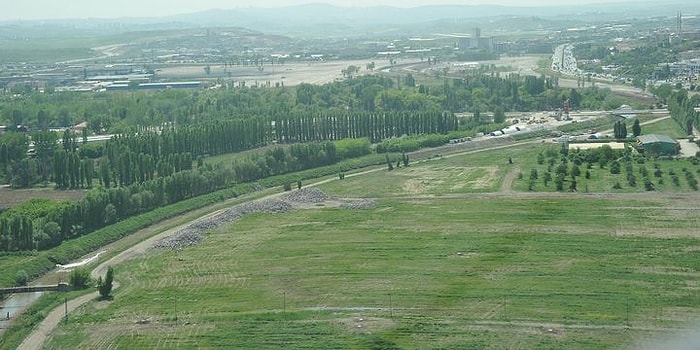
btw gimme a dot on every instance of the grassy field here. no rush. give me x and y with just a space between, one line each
10 197
668 127
664 174
447 259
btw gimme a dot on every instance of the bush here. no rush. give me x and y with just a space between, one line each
615 167
79 278
648 185
352 148
21 278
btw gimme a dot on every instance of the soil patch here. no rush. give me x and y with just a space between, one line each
10 197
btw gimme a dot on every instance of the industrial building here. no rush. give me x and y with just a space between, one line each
659 145
157 86
471 42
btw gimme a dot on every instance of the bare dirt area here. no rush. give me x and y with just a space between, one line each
507 184
10 197
688 149
288 74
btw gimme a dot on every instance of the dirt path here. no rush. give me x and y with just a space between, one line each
46 327
507 184
140 242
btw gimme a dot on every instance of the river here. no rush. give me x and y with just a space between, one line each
14 305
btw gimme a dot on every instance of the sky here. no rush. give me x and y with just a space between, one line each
54 9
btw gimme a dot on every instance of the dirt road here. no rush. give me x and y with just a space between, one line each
52 320
139 243
131 246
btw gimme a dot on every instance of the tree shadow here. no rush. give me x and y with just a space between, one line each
105 298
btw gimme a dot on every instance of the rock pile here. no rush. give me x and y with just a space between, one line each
192 234
307 195
183 238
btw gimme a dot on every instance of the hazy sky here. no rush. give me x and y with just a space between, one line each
44 9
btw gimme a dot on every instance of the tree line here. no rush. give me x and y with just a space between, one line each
682 109
128 112
25 228
42 225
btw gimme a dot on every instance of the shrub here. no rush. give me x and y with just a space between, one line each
648 185
547 178
21 278
615 167
79 278
559 182
575 170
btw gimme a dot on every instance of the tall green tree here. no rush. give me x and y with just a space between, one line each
636 128
105 286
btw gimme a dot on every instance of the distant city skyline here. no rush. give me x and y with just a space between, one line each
76 9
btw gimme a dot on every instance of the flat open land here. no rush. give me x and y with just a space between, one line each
11 197
288 74
448 256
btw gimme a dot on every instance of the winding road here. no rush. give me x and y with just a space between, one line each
140 242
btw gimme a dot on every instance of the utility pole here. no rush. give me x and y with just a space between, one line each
391 307
627 317
65 300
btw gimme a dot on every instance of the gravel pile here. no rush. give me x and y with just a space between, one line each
307 195
359 204
269 206
192 234
185 237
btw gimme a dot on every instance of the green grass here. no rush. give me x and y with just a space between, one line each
668 127
445 268
38 263
601 180
16 333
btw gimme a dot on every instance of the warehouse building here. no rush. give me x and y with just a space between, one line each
659 145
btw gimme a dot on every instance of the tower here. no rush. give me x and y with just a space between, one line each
476 39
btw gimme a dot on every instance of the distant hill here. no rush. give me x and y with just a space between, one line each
328 20
285 18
